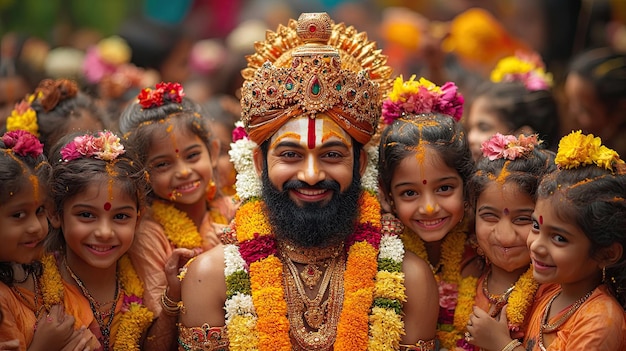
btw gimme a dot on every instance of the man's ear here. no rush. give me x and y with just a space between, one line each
363 160
258 161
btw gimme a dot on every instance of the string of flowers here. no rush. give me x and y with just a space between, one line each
508 146
103 146
422 97
448 278
256 309
576 150
164 92
24 117
527 69
135 319
178 227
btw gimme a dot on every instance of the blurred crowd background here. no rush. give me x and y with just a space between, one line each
116 47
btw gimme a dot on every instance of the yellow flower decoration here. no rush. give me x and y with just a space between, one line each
178 227
403 89
23 117
577 149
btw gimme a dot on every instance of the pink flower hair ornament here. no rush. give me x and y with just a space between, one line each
508 146
164 92
104 146
23 143
422 97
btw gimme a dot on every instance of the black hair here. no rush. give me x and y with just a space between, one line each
15 171
605 70
516 107
593 199
525 171
70 178
439 131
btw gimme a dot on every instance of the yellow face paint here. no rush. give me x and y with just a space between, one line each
311 132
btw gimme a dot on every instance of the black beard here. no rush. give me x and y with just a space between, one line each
314 224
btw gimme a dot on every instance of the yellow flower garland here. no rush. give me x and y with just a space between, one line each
452 250
179 228
133 322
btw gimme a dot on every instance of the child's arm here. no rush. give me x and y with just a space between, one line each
162 334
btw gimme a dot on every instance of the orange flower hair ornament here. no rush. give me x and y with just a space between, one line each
577 149
508 146
164 92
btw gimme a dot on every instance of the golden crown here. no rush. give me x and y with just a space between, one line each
313 66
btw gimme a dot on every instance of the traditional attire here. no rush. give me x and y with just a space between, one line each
18 319
599 324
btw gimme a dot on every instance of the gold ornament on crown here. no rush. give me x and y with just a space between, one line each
311 66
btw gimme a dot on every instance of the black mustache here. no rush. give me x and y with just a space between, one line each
322 185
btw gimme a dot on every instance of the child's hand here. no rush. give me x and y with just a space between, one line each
11 345
172 268
54 330
82 340
487 332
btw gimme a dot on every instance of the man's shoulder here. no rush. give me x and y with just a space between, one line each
207 264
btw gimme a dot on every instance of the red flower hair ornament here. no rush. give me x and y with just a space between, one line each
164 92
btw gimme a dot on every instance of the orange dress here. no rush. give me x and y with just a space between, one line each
599 324
152 248
18 319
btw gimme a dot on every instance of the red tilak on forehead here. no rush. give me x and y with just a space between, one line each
540 219
311 134
506 211
107 206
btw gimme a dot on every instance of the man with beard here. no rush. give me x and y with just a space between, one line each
312 267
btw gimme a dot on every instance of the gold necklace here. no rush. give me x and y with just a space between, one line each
546 327
497 301
311 257
313 322
105 329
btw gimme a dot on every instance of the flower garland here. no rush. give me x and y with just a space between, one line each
256 309
422 96
24 117
178 227
104 146
577 149
508 146
449 278
135 319
527 69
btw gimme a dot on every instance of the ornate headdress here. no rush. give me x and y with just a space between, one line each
314 66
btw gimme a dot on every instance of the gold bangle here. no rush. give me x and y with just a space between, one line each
512 345
421 345
170 307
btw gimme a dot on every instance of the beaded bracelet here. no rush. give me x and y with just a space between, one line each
170 307
512 345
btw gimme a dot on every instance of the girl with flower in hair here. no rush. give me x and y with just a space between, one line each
502 193
54 109
517 100
97 191
186 213
424 164
27 323
576 245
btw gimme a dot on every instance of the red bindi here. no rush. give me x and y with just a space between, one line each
424 182
107 206
506 211
540 219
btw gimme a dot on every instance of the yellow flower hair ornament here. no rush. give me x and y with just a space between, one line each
24 117
527 69
579 150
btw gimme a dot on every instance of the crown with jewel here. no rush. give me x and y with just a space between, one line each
314 66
